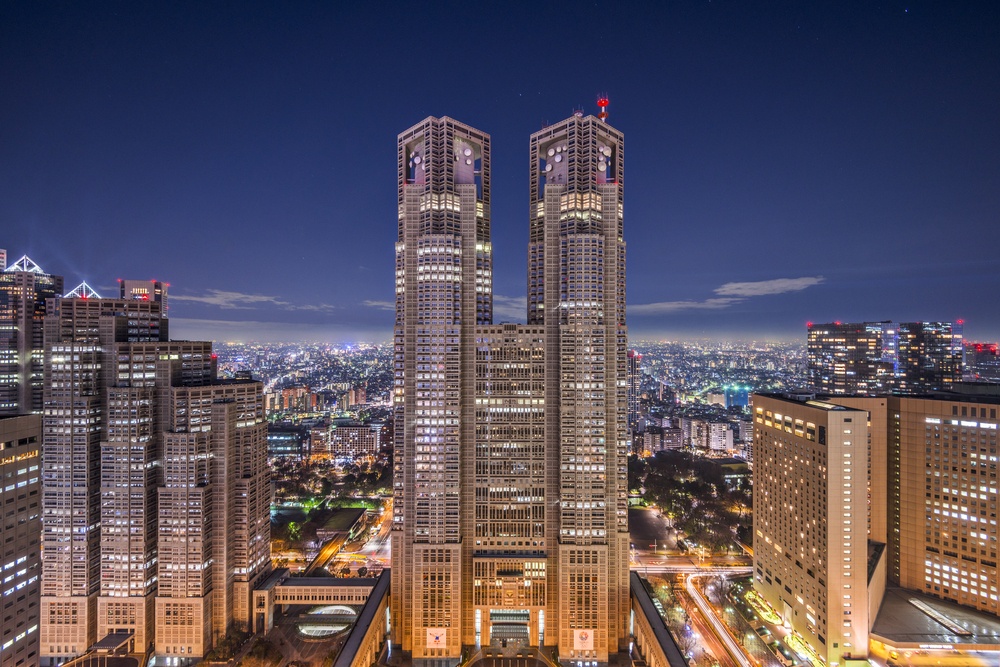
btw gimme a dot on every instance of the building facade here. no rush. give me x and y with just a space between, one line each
810 527
131 420
500 417
911 482
880 357
24 290
443 290
20 537
982 362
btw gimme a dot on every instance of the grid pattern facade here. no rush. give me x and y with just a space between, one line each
23 296
810 520
511 548
576 291
143 445
20 530
491 420
946 542
880 357
443 289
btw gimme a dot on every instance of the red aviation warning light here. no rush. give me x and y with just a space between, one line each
602 102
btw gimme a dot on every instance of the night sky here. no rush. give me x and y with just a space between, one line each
784 162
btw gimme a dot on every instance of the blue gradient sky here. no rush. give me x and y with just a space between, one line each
785 161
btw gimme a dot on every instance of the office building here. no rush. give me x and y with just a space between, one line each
121 401
901 492
144 290
443 289
20 538
214 515
810 533
24 290
982 362
881 357
351 440
501 418
633 378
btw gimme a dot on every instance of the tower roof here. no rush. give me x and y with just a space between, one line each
24 264
83 291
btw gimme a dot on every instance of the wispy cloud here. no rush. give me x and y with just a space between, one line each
509 308
766 287
254 330
729 294
505 308
675 306
241 301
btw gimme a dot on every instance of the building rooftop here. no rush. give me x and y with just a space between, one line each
901 622
368 616
329 581
667 644
273 579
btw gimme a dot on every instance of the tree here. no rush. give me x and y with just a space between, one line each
362 571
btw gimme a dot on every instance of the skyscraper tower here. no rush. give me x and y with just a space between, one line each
142 444
24 289
510 519
576 291
443 289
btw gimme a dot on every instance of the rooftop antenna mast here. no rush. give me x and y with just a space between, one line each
602 102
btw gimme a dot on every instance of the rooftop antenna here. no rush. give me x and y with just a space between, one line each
578 112
602 102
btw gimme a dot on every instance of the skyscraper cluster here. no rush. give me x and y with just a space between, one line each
154 490
879 357
510 488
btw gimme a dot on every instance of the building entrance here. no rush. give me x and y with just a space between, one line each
509 628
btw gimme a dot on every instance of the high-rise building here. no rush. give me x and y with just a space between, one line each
526 424
443 290
576 291
633 376
810 533
20 535
982 362
214 514
24 290
121 403
856 498
879 357
144 290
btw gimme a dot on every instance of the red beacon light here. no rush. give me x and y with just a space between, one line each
602 102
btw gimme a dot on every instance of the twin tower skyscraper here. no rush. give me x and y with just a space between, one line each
510 523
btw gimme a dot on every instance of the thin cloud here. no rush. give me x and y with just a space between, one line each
676 306
509 308
381 305
228 300
767 287
505 308
730 294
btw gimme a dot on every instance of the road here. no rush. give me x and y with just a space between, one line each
719 629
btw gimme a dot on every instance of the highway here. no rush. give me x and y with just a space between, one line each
734 650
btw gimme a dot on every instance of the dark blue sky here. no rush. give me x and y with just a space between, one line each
785 161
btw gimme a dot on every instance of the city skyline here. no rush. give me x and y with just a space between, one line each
137 135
